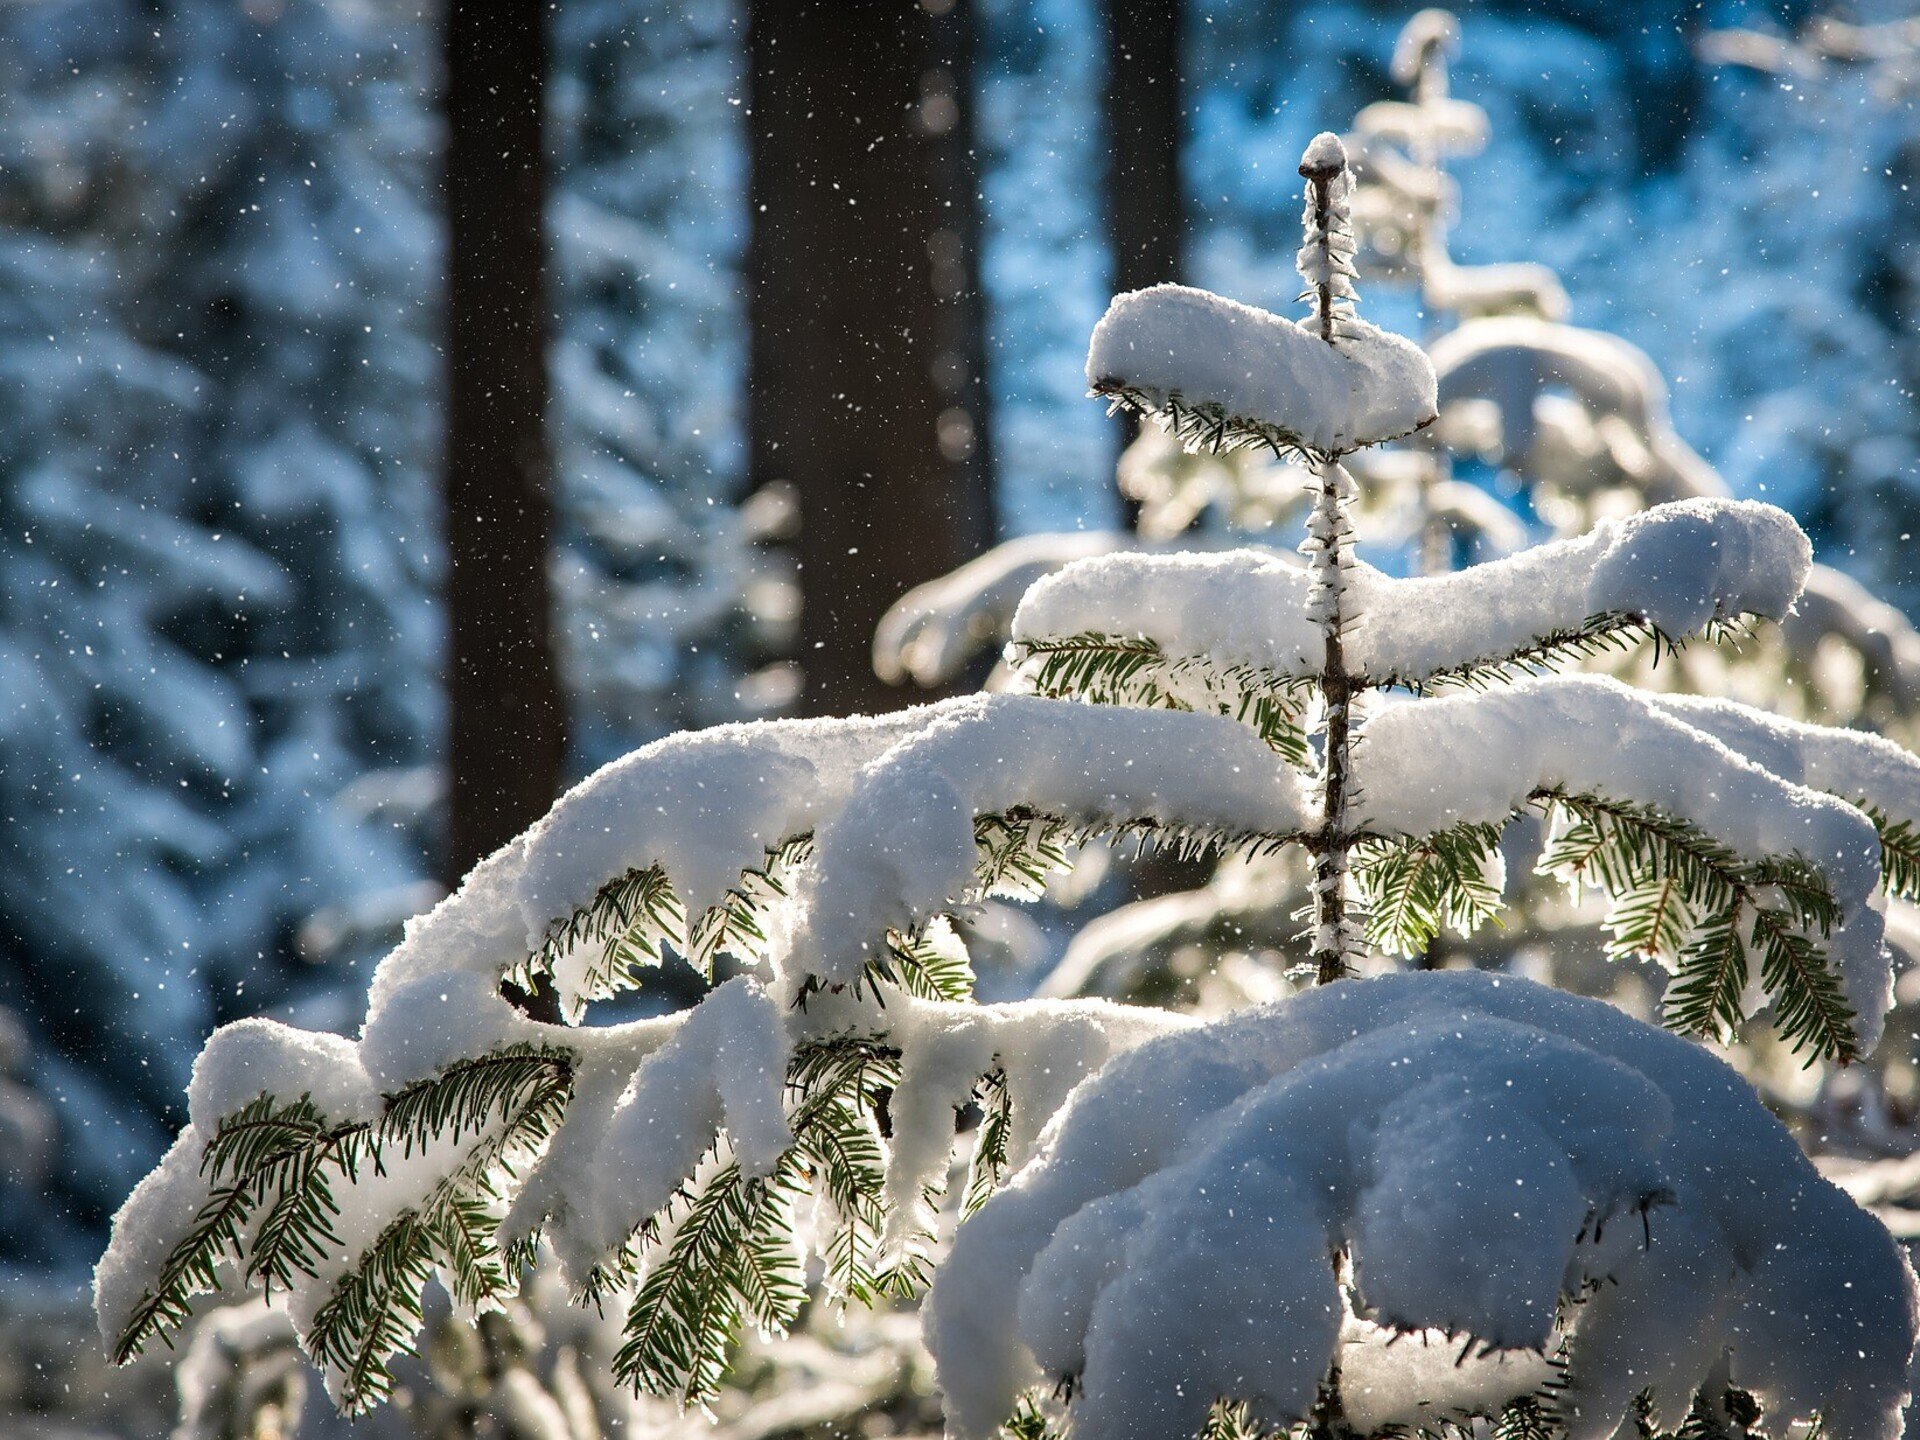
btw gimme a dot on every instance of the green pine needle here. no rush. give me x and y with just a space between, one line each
1118 670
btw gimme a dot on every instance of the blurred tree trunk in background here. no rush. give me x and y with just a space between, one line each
1143 124
1142 121
508 744
865 385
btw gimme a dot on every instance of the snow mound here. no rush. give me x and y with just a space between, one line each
1175 345
1479 1147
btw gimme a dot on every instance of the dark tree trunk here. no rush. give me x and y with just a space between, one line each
865 383
1143 121
508 744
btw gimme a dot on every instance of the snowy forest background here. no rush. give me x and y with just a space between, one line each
222 754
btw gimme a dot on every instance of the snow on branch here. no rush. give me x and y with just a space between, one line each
930 633
1665 574
1710 859
651 850
1517 361
1869 771
908 843
1223 375
1633 1217
668 1156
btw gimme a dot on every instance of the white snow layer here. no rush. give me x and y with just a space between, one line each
1423 767
929 634
1177 344
1676 566
704 806
1479 1146
902 848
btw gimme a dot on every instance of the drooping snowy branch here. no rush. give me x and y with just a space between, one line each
930 633
1674 570
346 1174
1649 787
1171 1244
905 845
1515 361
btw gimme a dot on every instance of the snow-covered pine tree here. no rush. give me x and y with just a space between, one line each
1230 1227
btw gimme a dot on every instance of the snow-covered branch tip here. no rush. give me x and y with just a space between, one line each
1325 260
1223 376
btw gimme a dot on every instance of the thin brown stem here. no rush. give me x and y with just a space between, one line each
1321 181
1331 842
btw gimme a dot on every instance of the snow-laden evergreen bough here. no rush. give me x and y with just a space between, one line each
1233 1225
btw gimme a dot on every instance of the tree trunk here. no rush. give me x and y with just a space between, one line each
1144 125
865 385
507 748
1143 122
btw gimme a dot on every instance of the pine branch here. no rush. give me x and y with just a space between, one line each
465 1234
1667 878
296 1233
685 1316
631 918
771 1279
1613 632
1020 849
249 1151
1018 852
1115 670
1523 1419
732 1249
281 1163
527 1082
1205 427
924 966
1652 919
634 917
1410 891
1899 853
1810 1009
1625 843
1030 1422
375 1312
1232 1420
734 925
989 1163
1710 982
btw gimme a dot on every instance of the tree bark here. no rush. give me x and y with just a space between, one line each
507 748
1143 120
1145 124
865 386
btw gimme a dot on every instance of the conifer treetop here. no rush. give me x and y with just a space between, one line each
1222 375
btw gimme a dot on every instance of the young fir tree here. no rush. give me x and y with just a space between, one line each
1565 1217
